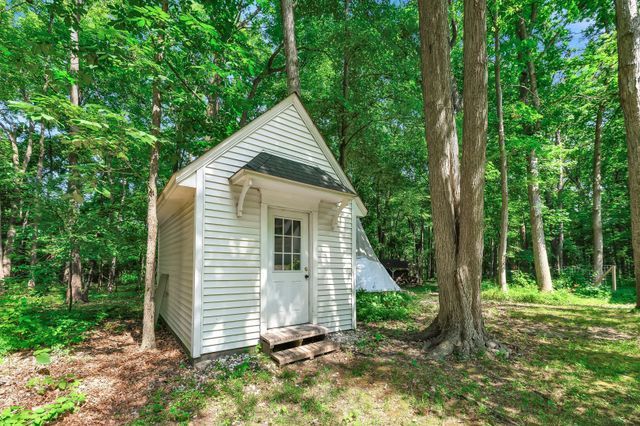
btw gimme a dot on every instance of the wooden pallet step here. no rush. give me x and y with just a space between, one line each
278 336
308 351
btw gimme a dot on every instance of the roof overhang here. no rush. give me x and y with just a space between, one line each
174 196
297 193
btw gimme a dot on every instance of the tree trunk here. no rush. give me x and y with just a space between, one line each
290 49
1 250
504 209
596 215
112 269
458 222
74 291
560 190
148 321
343 128
628 27
540 260
34 238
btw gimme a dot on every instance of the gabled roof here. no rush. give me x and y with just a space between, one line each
183 176
273 165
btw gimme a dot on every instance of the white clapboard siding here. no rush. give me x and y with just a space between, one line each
175 257
334 287
231 246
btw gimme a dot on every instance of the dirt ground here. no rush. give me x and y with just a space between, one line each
115 375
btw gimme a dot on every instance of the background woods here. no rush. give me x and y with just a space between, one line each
89 91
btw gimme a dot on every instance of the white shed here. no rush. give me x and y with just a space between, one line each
258 234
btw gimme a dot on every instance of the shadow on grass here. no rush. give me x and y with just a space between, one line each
587 372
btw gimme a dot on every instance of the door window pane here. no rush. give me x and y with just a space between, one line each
286 262
287 241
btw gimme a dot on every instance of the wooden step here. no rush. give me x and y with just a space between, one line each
308 351
278 336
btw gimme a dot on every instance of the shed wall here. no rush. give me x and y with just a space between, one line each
231 254
175 257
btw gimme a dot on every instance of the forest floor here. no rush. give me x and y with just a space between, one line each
566 364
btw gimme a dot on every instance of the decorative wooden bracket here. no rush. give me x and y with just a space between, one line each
339 207
243 194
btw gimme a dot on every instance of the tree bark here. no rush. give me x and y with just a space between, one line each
34 238
343 128
148 321
540 259
628 30
74 290
560 190
596 214
290 49
458 222
504 190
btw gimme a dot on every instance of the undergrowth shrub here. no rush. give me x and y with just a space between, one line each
383 306
40 319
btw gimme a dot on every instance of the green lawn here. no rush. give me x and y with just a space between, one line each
568 364
574 358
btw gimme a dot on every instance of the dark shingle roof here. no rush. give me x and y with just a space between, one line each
273 165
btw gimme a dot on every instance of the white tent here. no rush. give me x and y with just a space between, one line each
370 274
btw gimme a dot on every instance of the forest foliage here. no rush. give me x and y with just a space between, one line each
360 77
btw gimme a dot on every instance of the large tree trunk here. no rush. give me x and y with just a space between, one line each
540 259
74 290
290 49
596 214
148 320
504 209
628 26
457 221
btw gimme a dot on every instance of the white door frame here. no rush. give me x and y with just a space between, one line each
271 200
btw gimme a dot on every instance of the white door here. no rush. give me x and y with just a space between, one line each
287 291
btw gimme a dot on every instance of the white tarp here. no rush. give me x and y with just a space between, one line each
370 274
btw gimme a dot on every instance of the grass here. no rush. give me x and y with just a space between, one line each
572 359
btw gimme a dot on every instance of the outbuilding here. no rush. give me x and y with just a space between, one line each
257 235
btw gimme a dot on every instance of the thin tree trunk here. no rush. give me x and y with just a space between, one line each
34 238
290 49
458 221
628 26
1 250
596 215
114 261
560 191
148 321
540 259
504 209
75 293
344 120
